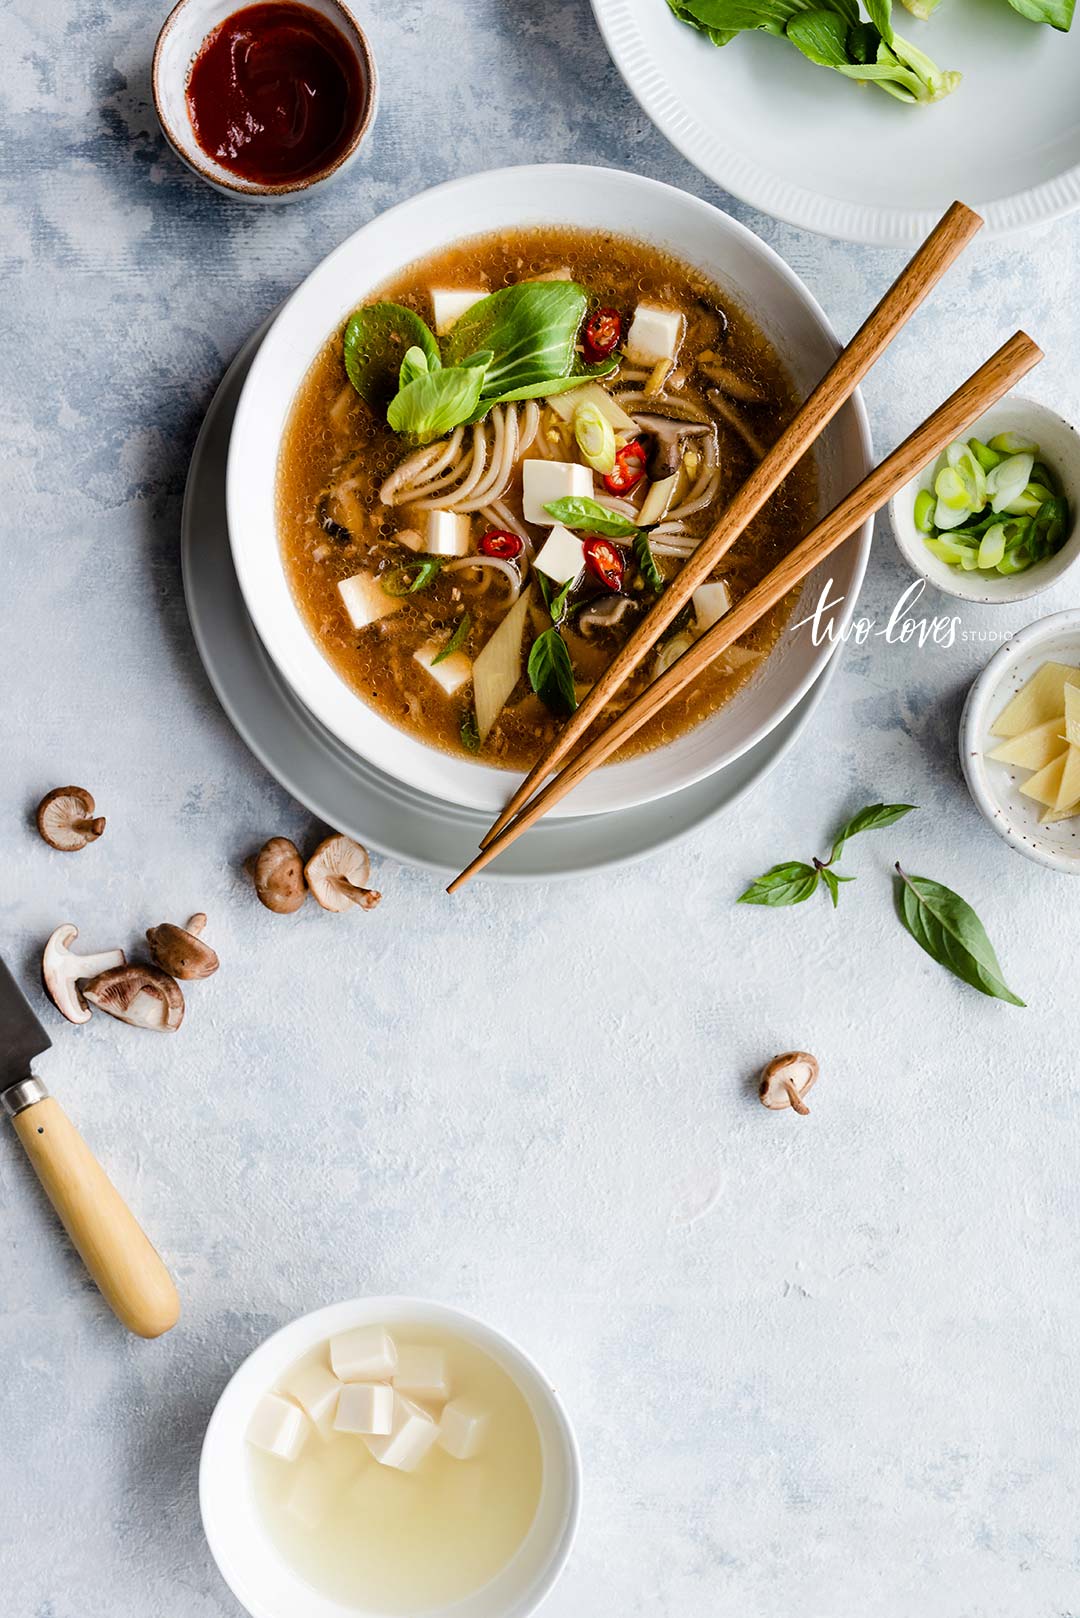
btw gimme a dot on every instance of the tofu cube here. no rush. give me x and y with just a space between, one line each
421 1372
447 534
278 1426
448 304
365 1407
561 556
463 1428
544 481
452 673
365 599
315 1389
414 1432
711 601
655 334
366 1354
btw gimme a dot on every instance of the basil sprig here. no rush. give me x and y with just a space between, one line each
950 932
551 673
456 641
793 882
412 578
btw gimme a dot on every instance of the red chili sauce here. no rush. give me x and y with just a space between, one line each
275 93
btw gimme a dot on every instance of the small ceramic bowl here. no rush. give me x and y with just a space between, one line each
266 1585
1059 447
996 787
178 44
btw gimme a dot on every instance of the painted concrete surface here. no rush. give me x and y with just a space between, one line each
822 1365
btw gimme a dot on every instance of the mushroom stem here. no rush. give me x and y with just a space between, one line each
797 1102
90 828
197 923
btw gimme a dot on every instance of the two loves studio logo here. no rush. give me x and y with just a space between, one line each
902 626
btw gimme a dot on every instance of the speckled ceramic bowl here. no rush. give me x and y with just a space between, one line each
1060 449
996 787
183 32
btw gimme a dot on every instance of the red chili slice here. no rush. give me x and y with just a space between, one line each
601 334
499 542
604 561
629 469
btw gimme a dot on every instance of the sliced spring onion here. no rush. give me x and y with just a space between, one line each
1050 525
924 511
1013 444
413 577
992 547
595 438
987 458
952 490
945 518
1041 473
946 551
1007 480
1030 500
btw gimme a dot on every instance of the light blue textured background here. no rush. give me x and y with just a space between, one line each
819 1367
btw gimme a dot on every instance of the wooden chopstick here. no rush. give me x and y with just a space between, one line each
993 379
944 244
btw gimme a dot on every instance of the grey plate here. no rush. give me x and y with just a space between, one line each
345 791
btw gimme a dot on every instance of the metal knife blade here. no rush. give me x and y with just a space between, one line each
21 1035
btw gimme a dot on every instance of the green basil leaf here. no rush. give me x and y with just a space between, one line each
789 884
470 733
530 328
413 577
551 674
413 365
578 511
869 819
950 932
456 641
555 600
376 340
832 882
646 561
435 403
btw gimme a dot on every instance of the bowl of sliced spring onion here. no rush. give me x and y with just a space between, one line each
994 518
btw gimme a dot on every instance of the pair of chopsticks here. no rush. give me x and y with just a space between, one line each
993 379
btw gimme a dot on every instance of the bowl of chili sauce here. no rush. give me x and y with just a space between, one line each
265 100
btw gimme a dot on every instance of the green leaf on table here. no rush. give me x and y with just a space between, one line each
871 818
374 347
789 884
950 932
1058 13
832 881
579 511
551 673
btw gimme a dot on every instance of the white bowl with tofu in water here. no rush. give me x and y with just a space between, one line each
996 784
576 197
258 1571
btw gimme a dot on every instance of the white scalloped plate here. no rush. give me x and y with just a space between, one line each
798 142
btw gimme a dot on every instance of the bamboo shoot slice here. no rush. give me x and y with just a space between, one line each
1040 699
1049 816
1072 715
1069 790
497 669
1045 785
1032 749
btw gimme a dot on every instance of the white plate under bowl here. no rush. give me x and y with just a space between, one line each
1059 447
604 199
349 794
802 143
996 787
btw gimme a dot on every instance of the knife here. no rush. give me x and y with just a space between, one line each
103 1230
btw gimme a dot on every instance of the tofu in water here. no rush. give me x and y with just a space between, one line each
447 534
463 1429
315 1388
365 1354
278 1426
365 1407
655 334
448 304
452 673
421 1373
561 556
365 600
414 1433
544 481
711 601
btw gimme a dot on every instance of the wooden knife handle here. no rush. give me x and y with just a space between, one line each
108 1238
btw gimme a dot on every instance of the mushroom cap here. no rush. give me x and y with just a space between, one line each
61 970
144 996
791 1071
66 819
180 951
278 873
337 874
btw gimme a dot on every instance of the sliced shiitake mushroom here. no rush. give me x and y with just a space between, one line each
144 996
786 1080
180 951
66 819
337 874
278 873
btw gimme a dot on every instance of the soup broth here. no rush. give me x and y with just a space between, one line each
358 501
